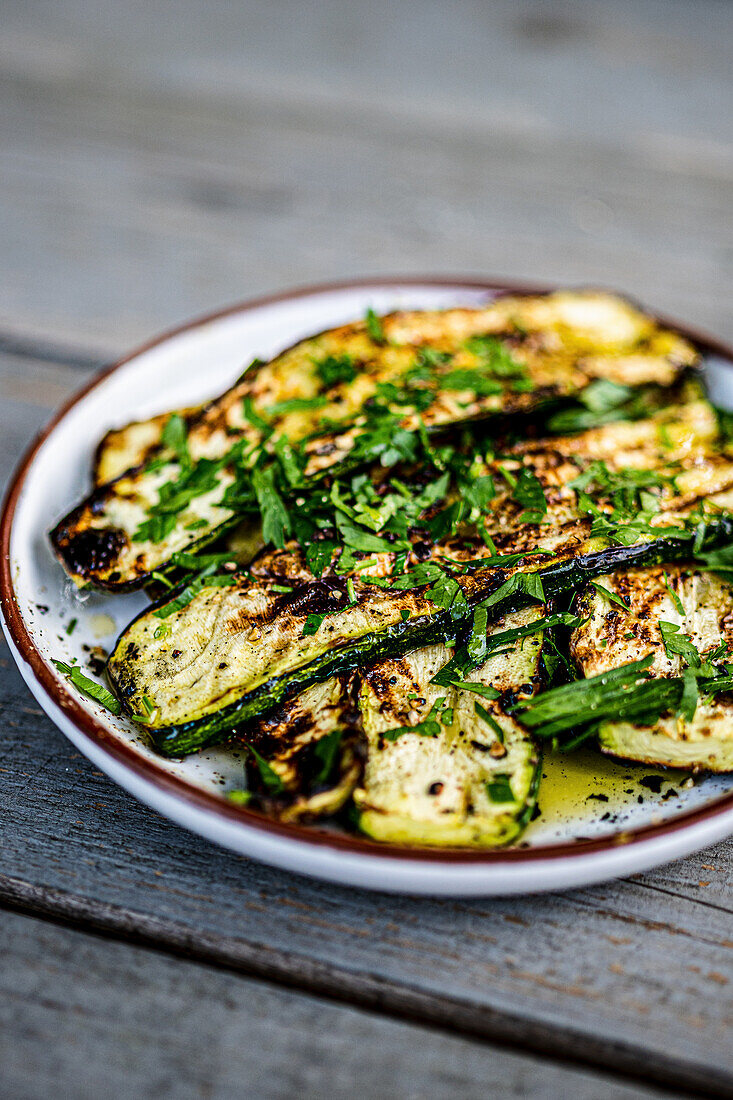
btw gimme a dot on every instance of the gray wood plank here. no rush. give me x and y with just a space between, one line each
152 171
634 976
30 390
82 1017
566 142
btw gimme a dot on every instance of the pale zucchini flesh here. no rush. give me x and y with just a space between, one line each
233 651
288 739
614 635
121 449
562 341
468 785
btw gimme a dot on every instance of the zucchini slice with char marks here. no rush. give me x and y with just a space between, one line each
700 605
437 771
312 753
233 652
534 350
122 448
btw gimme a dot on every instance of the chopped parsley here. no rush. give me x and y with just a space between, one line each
528 492
175 437
206 579
612 597
296 404
374 327
276 522
499 789
88 687
528 583
677 644
332 370
490 721
429 727
325 751
312 624
678 605
271 780
486 691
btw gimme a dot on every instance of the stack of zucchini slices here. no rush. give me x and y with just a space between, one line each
395 561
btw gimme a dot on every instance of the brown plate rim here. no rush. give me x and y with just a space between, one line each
125 755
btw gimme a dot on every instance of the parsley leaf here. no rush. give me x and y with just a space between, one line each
88 687
312 623
613 597
472 380
334 369
374 327
272 781
175 437
296 404
529 583
275 517
677 644
490 721
499 789
486 691
528 492
325 751
252 417
429 727
477 647
318 555
679 606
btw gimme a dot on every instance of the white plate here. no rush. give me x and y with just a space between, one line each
577 839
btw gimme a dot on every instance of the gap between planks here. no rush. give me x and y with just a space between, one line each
366 991
42 351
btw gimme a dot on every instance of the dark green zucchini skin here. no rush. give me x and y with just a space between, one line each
529 810
180 740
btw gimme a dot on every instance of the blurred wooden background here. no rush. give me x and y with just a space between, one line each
159 160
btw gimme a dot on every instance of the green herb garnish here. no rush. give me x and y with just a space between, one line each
429 727
499 789
374 327
88 687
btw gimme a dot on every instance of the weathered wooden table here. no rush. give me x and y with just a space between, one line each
157 161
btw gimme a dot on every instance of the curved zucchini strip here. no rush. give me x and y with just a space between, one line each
234 652
445 766
700 605
308 755
122 448
679 438
543 349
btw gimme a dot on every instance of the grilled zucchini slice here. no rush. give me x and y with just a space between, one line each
700 604
232 652
312 753
540 349
122 448
437 771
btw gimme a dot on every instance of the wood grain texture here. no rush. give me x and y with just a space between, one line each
82 1017
151 172
154 169
634 976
